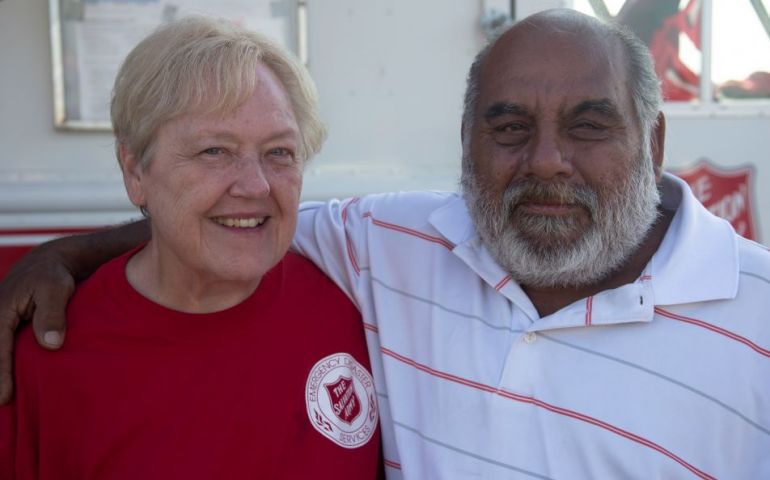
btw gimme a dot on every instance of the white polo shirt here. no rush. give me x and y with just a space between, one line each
664 378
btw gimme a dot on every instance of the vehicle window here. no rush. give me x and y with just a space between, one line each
737 49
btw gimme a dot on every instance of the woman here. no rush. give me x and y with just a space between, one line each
213 127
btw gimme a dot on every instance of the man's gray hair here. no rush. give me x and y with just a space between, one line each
644 84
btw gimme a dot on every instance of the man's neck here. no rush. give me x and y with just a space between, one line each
548 300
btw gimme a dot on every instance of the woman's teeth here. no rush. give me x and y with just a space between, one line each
240 222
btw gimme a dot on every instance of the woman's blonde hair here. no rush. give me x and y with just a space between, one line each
207 65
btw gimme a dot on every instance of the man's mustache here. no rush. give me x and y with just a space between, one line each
530 190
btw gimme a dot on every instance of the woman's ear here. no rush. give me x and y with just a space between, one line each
131 167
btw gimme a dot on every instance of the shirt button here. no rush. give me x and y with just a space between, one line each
530 337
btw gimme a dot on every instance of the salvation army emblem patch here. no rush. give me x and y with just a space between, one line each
341 401
726 193
346 404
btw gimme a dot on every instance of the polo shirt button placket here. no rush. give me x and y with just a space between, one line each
530 337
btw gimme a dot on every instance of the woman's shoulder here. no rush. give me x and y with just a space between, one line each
303 280
297 267
106 284
103 306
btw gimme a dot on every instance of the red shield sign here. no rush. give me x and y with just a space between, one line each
345 402
725 193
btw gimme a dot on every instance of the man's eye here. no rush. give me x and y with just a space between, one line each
510 127
588 131
510 134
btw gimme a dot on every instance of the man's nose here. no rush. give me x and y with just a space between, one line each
547 157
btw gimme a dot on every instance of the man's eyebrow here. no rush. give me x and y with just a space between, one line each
504 108
603 106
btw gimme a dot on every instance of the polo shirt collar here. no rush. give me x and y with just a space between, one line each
698 258
453 221
630 303
696 261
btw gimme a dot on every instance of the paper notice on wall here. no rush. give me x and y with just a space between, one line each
271 18
109 29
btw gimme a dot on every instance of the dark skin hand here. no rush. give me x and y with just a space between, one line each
39 286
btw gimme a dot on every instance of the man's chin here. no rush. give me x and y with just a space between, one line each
567 227
551 242
555 260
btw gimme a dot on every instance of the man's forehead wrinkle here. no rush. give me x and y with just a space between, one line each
550 64
604 106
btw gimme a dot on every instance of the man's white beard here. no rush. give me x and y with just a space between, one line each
548 251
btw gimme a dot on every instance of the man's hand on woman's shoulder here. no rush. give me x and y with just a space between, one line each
37 288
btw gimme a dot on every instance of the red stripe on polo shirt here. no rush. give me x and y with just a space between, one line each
392 464
409 231
547 406
503 283
345 208
714 328
371 327
348 243
352 255
589 309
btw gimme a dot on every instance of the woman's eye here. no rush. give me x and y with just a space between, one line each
281 155
213 151
281 152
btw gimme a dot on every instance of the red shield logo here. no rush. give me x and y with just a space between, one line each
345 402
725 193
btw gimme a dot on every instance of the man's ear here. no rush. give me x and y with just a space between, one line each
658 139
131 167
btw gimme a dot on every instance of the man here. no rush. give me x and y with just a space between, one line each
575 313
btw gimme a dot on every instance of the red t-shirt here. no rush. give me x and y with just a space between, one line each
275 387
